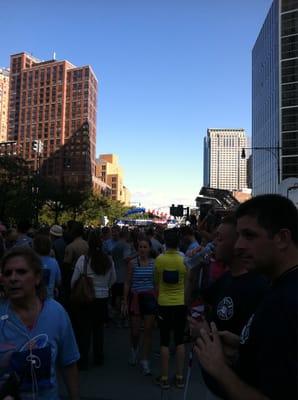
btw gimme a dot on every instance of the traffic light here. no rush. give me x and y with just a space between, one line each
176 211
35 145
179 211
173 210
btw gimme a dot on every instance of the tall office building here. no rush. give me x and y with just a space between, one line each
4 90
275 98
111 173
224 168
54 102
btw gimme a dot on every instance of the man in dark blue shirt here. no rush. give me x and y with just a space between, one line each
266 366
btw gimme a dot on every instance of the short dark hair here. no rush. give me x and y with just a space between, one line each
99 261
150 232
186 231
229 219
34 263
23 226
105 230
42 244
77 229
273 213
171 237
143 238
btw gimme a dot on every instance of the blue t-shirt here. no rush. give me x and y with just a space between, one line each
108 245
51 274
34 353
191 247
23 241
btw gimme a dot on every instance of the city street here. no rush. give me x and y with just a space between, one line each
117 380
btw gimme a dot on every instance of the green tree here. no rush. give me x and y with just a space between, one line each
15 189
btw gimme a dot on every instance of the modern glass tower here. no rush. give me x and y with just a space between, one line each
275 98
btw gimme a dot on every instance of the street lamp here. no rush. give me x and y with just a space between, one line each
273 150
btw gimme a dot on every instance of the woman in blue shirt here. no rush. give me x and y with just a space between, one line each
35 332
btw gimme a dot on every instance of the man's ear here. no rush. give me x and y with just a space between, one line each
283 238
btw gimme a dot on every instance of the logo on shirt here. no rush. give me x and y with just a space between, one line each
32 362
225 309
246 331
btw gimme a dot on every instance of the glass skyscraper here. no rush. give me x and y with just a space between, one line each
275 98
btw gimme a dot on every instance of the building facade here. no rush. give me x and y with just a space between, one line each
111 173
54 102
224 168
4 93
275 98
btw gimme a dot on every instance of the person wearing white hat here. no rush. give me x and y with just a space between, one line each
58 243
56 230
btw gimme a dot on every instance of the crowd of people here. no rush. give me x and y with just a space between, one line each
226 286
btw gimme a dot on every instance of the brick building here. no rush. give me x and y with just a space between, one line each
54 102
4 89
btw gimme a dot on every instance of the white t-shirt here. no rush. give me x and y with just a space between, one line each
101 283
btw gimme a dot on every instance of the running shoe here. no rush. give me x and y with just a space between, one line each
145 367
163 383
179 382
133 358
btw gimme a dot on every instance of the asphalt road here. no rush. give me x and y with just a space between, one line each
117 380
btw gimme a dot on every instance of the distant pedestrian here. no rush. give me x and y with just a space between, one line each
58 243
23 239
120 253
51 270
77 247
140 302
89 319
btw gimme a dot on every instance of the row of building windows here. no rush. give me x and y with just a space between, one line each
289 23
288 5
289 71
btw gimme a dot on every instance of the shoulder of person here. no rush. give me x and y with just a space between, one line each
81 261
54 307
3 306
259 281
159 259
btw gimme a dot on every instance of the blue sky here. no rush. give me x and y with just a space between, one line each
167 70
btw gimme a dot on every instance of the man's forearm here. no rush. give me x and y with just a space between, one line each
71 377
235 388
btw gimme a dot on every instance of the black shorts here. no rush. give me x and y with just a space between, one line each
172 319
147 304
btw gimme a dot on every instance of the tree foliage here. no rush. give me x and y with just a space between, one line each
25 195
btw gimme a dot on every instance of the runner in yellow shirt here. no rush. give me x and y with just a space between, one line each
170 278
